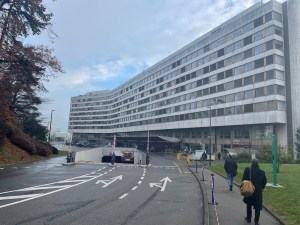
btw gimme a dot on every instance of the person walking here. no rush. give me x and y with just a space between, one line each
259 180
230 167
219 156
204 156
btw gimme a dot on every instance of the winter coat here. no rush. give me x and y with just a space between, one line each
230 165
259 180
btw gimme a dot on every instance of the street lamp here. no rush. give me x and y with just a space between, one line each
209 135
50 126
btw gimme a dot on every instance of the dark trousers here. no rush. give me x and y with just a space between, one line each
249 213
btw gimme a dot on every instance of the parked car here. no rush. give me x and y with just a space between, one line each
127 156
226 152
197 155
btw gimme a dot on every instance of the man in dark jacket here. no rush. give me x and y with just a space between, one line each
259 180
230 167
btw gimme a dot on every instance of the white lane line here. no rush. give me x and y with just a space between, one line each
99 169
123 196
103 167
45 188
135 187
26 167
142 178
19 196
110 170
93 172
140 182
105 173
41 195
144 174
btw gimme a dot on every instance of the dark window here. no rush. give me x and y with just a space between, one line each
220 76
248 53
248 80
238 83
220 64
270 75
229 73
259 63
199 93
205 80
182 79
205 91
248 40
182 70
213 67
213 113
193 75
268 17
205 70
248 108
199 83
178 63
213 89
259 92
220 87
187 77
259 77
269 45
178 81
259 21
220 112
173 65
206 48
269 60
221 52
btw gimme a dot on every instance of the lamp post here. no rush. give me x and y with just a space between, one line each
209 135
50 126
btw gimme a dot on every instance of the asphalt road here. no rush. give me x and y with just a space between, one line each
46 192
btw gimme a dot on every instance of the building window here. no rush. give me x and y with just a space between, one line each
269 60
238 83
220 112
248 53
271 90
268 17
221 52
239 70
259 21
229 85
249 94
259 63
229 111
270 75
259 92
260 107
229 49
271 105
213 90
205 80
238 109
248 40
213 67
259 77
221 64
220 88
239 96
248 80
269 45
230 98
220 76
248 108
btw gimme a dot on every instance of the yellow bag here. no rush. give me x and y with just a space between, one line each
247 188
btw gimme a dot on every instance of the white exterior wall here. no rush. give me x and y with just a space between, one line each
293 7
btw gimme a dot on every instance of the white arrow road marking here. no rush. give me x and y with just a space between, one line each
163 185
110 181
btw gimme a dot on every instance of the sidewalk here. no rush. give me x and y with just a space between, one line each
230 208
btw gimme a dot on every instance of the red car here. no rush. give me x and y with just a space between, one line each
127 157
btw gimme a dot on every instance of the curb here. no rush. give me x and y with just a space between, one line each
68 164
206 211
265 208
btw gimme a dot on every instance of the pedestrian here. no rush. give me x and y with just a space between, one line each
230 167
204 156
219 156
259 180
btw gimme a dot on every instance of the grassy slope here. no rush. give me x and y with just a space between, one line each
285 202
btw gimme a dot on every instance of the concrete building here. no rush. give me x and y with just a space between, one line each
233 87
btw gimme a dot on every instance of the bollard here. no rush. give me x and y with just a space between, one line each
188 160
196 167
178 156
203 167
212 190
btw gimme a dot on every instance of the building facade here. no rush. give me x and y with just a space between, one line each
234 87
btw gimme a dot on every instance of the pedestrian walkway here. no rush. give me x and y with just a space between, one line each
229 208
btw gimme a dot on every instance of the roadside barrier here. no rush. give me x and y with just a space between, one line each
212 190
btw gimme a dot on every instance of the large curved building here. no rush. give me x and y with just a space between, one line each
233 87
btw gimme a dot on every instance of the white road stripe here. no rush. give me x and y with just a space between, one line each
19 197
139 182
110 170
45 188
142 178
105 173
99 169
123 196
135 187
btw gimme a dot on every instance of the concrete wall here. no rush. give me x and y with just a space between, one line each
93 155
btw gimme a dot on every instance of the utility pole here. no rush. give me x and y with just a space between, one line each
209 135
50 126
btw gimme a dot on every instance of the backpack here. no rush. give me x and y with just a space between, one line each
247 188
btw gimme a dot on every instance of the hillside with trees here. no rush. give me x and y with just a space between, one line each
23 71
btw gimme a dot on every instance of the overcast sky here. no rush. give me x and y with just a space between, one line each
103 43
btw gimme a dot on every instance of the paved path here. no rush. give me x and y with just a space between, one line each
230 209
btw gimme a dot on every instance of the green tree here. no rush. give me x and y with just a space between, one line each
23 68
